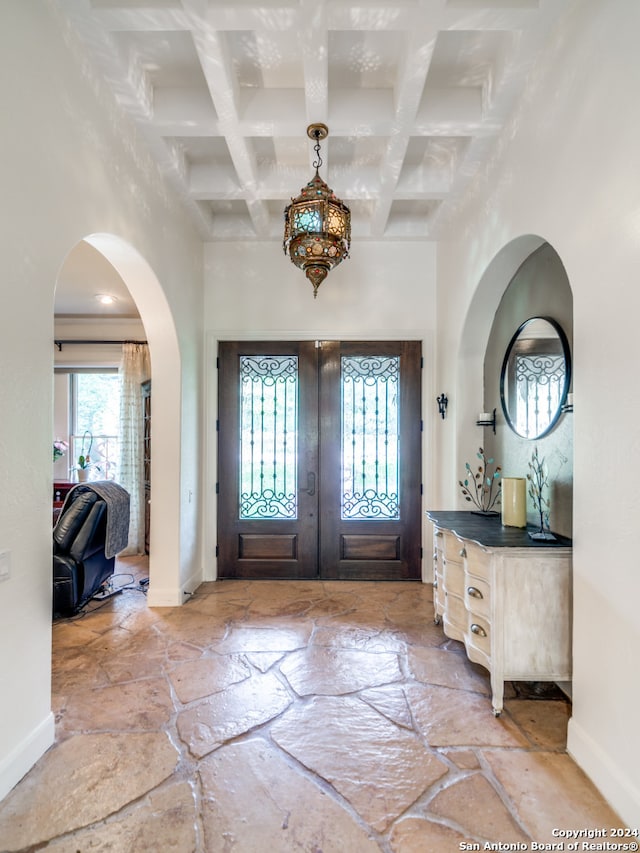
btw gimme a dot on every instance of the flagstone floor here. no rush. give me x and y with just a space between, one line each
275 716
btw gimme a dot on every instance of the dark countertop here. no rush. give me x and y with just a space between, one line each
488 531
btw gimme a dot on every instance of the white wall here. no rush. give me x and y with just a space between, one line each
252 291
567 170
72 166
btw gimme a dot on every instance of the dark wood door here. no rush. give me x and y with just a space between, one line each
319 460
370 461
268 460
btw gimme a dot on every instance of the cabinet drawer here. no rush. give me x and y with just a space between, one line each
438 594
477 595
453 577
453 547
455 614
477 562
478 634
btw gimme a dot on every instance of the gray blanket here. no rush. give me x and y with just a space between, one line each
117 501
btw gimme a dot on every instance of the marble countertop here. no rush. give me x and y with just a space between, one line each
488 530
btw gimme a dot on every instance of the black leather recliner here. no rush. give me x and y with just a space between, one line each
80 565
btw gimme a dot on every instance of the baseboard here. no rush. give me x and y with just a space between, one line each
620 791
23 756
567 688
173 597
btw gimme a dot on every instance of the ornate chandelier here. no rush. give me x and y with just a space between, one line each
317 225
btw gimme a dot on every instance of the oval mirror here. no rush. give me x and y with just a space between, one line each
535 377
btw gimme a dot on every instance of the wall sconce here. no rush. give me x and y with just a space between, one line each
568 405
487 419
443 402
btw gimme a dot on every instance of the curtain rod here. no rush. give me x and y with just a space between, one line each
60 343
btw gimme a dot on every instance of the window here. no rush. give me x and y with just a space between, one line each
269 436
370 437
95 418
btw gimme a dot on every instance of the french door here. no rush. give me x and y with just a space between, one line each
319 460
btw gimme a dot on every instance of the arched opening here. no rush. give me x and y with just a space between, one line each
155 315
536 272
526 279
470 383
538 289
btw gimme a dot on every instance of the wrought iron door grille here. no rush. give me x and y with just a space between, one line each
268 436
370 437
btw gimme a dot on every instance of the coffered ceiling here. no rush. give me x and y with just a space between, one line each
414 93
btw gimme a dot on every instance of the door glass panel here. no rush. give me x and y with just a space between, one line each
540 381
370 440
268 436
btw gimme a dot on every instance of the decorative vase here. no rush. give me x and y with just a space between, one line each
514 502
83 474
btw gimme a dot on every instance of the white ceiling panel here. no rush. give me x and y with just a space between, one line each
414 92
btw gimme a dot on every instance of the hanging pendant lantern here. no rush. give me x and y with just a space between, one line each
317 225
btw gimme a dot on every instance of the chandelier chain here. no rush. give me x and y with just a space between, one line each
317 163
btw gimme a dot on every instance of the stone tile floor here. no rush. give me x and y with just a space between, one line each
276 716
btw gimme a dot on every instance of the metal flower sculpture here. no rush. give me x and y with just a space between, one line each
480 487
538 484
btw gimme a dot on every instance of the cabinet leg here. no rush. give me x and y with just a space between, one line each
497 694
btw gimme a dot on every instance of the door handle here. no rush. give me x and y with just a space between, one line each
311 483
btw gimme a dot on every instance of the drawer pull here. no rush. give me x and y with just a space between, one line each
463 553
479 630
435 584
474 592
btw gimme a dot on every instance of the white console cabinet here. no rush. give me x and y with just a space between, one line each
505 596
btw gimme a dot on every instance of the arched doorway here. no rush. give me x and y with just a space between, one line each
146 291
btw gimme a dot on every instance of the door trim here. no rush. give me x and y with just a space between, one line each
368 547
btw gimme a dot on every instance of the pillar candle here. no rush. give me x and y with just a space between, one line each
514 502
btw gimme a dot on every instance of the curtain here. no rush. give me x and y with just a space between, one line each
134 370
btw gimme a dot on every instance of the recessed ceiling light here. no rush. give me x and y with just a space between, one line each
105 298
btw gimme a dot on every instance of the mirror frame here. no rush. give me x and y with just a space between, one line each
566 351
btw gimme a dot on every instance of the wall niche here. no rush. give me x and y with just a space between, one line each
540 288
